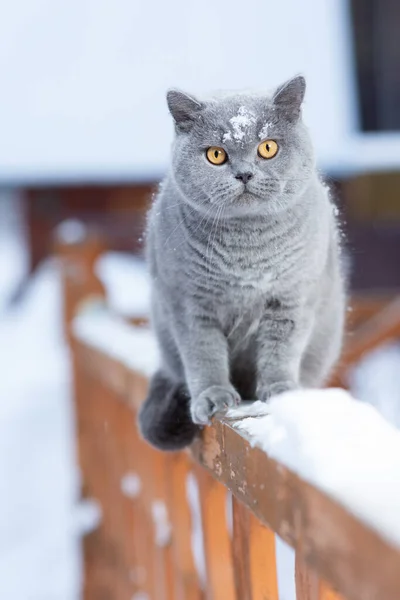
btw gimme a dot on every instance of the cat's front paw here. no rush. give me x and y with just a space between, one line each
266 392
214 399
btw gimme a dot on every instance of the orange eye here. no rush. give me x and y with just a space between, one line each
216 156
268 149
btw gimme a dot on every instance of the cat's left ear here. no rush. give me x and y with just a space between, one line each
184 109
288 98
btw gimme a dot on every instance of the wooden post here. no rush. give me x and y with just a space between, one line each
307 583
187 580
220 579
264 581
383 326
241 550
78 250
254 556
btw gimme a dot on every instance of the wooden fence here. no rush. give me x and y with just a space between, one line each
144 547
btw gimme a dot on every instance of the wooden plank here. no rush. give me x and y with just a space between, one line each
186 577
217 544
153 469
241 550
97 571
347 554
103 551
254 556
307 582
364 307
129 487
143 534
147 562
162 530
383 327
108 454
118 415
264 581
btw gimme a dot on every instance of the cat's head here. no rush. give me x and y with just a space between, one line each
250 153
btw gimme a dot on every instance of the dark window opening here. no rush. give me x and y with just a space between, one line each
376 33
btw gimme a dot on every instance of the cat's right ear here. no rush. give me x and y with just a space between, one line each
184 108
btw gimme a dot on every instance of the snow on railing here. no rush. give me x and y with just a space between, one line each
317 468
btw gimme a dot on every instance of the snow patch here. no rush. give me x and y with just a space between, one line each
127 282
248 409
40 521
241 123
342 446
71 231
87 517
133 346
131 485
163 529
264 133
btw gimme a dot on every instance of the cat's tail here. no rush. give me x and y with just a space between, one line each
164 418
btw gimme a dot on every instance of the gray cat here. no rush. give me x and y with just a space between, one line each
243 246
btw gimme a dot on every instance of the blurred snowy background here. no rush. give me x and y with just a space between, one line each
39 515
85 134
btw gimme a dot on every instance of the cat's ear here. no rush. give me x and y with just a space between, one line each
184 109
288 98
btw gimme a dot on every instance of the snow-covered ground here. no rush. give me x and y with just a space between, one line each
39 515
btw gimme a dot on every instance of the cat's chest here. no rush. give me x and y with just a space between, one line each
250 273
248 284
241 305
249 260
250 280
243 296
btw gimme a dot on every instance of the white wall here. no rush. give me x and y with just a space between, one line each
82 82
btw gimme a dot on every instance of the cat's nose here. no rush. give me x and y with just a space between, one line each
245 177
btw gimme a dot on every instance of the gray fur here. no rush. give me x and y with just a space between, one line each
248 292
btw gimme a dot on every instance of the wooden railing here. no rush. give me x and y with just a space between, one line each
144 547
